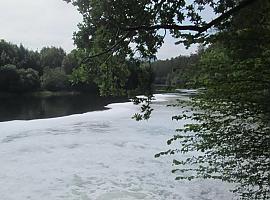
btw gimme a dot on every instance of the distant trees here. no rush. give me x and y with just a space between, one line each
19 56
28 59
23 70
8 53
51 57
18 80
70 62
176 71
9 78
54 79
29 80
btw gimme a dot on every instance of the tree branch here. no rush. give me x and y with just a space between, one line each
199 29
109 49
196 28
227 14
164 26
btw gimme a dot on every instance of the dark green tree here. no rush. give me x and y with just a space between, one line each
9 78
70 62
19 56
176 71
8 53
52 57
54 79
29 80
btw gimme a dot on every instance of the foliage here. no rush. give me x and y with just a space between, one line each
230 127
70 62
176 71
114 77
21 69
138 22
103 33
9 78
29 80
230 119
81 79
51 57
19 56
8 53
113 32
18 80
54 79
146 109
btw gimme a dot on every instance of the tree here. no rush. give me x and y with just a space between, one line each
28 59
9 78
176 71
138 21
52 57
54 79
230 125
29 80
70 62
110 27
8 53
19 56
18 80
231 116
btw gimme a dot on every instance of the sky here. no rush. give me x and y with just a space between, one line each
39 23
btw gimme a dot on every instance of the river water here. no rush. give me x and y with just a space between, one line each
100 155
30 107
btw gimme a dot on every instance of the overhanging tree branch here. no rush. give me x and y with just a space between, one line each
109 49
227 14
195 28
198 29
164 26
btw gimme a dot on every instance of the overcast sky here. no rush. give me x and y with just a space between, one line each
39 23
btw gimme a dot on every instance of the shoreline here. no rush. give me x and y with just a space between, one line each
39 94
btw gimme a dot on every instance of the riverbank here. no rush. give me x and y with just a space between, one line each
39 94
51 104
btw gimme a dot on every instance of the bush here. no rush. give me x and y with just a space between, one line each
29 80
22 80
9 78
54 80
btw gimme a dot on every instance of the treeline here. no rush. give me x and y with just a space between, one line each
176 72
23 70
52 69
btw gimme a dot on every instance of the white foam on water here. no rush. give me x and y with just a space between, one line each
102 155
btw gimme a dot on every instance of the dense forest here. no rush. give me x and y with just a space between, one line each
52 69
176 72
23 70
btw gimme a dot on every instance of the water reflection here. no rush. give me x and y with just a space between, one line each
26 108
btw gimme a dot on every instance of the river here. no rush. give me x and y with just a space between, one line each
98 155
31 107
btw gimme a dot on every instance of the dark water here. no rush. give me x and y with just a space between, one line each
26 108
